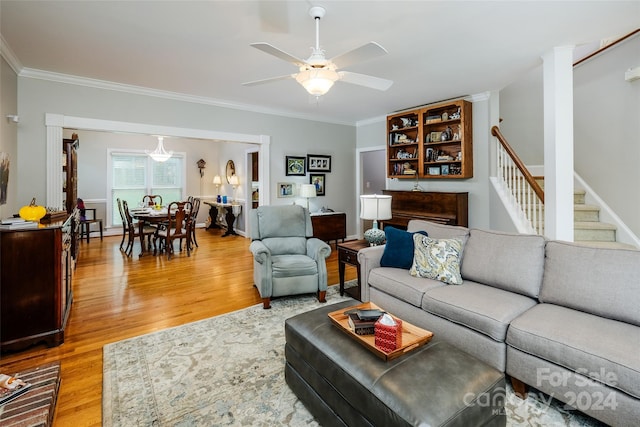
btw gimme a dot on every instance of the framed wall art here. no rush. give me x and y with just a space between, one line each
318 163
295 166
318 179
286 189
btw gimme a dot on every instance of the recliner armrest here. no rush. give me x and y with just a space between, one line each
368 258
260 251
317 249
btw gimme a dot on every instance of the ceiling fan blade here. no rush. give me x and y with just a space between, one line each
359 54
272 50
269 80
365 80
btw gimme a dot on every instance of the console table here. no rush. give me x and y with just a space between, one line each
329 226
228 211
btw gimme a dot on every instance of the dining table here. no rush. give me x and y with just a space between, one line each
147 215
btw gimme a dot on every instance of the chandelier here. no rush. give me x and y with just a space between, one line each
160 154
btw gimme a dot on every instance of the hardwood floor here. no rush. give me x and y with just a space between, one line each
116 297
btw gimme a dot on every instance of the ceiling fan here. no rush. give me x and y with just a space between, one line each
318 74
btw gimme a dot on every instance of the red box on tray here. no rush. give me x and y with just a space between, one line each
387 337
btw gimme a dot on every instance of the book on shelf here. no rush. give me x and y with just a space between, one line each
11 387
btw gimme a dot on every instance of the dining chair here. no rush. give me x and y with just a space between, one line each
152 200
87 219
195 203
176 227
125 229
134 230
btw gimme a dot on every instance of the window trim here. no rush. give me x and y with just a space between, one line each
109 181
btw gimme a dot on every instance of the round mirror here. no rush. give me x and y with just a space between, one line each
231 170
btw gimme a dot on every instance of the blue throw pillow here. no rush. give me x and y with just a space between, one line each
398 251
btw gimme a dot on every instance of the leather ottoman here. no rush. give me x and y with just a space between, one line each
343 384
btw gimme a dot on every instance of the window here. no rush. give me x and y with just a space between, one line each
134 174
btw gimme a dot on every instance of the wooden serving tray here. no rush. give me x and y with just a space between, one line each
412 336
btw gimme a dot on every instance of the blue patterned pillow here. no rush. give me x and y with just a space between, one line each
398 251
437 259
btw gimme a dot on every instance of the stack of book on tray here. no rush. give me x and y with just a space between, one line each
11 387
17 224
362 322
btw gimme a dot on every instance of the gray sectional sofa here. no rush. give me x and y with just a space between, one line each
557 316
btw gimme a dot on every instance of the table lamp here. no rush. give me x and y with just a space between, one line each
375 207
218 182
233 180
308 191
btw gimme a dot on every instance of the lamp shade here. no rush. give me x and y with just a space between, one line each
375 207
233 180
317 81
308 190
217 180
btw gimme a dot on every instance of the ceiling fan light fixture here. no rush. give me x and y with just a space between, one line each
317 81
160 154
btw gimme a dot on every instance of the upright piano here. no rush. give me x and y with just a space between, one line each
442 207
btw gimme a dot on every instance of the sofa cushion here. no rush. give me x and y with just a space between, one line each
581 342
482 308
605 282
437 259
438 231
398 250
509 261
293 266
400 284
286 245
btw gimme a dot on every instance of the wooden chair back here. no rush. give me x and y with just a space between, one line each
152 199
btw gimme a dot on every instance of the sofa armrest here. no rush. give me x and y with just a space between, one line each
368 258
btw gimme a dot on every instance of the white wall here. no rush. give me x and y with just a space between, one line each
289 136
606 126
9 136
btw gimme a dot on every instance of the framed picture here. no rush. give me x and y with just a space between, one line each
434 170
318 163
318 179
295 166
444 169
286 189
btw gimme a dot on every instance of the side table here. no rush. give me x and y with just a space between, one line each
348 254
37 405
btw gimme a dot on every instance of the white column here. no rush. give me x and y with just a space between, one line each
54 123
558 143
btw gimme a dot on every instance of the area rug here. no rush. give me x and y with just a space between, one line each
229 371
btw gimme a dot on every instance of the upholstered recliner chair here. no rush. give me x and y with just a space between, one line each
286 259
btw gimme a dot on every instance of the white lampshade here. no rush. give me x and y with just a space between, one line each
217 180
317 81
233 180
308 190
375 207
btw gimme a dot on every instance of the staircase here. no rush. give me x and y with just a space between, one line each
587 227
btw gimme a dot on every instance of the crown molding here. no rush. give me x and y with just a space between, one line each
371 121
9 56
32 73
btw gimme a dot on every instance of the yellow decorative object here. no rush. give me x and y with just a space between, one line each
32 212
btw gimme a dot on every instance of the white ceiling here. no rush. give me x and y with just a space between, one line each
437 49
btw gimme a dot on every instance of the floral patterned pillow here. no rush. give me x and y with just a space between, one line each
437 259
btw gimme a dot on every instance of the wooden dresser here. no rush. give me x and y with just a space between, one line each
329 226
36 268
442 207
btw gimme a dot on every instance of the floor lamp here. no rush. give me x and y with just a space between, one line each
375 207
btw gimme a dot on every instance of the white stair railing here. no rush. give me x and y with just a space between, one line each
524 192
